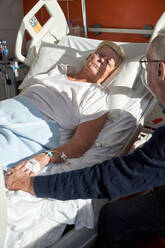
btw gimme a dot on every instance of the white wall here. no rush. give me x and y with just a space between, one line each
11 14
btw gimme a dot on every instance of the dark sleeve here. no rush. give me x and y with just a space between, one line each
142 169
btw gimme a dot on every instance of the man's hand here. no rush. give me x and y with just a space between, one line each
18 180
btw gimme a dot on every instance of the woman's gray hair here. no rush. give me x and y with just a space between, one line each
158 45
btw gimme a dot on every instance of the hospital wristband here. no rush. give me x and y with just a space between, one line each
51 155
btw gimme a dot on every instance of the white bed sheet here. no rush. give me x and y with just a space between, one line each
30 218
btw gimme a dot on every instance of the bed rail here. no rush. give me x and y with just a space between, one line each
3 212
52 31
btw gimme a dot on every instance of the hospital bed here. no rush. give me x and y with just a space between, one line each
129 106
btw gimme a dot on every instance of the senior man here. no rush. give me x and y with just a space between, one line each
123 221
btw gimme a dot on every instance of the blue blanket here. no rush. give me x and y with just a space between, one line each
24 131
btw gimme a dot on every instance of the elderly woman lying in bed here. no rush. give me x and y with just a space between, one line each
65 113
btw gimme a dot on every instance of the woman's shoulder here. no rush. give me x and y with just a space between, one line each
98 88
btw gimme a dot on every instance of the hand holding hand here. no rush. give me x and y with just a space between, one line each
19 180
20 177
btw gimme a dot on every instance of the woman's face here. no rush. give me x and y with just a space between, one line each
101 63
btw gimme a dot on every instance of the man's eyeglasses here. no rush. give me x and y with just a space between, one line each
144 62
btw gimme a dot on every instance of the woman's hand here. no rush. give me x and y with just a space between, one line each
43 159
21 178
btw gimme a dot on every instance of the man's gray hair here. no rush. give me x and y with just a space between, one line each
158 45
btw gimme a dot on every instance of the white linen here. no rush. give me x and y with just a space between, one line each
28 216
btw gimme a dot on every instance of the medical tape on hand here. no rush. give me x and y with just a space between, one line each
33 165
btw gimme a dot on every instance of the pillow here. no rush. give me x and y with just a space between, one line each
120 87
49 55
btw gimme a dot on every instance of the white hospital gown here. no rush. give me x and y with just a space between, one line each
68 102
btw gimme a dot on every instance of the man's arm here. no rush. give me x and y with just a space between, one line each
143 169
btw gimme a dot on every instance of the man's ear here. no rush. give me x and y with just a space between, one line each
161 71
